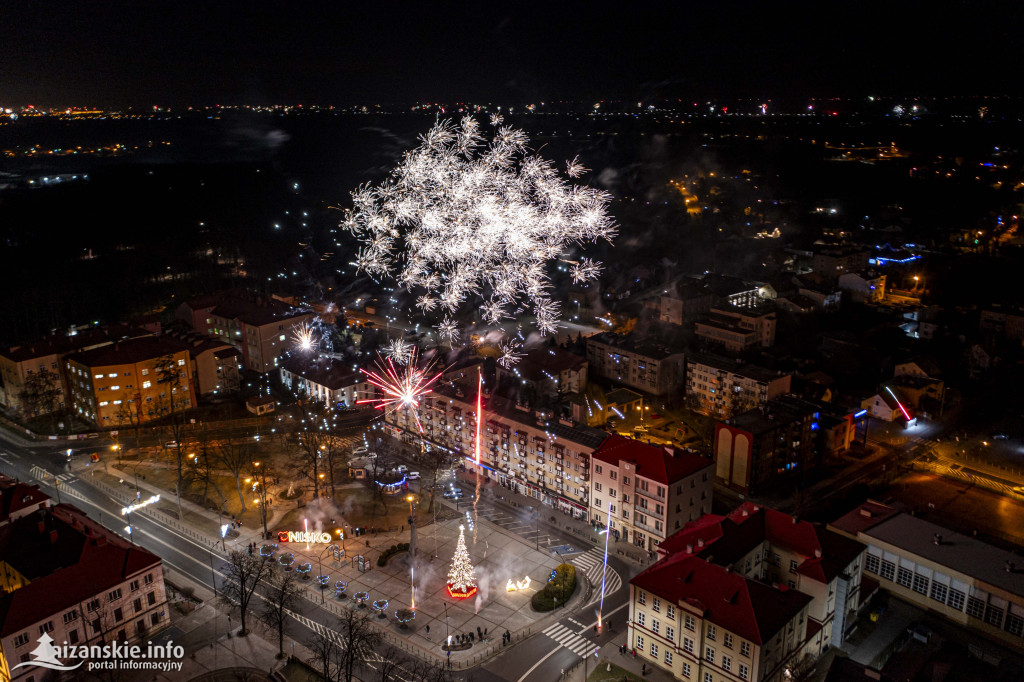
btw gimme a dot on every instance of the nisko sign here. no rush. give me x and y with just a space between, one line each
309 537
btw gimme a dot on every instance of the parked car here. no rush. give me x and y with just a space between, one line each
401 469
414 475
452 493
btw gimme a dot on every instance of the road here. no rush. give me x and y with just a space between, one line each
541 657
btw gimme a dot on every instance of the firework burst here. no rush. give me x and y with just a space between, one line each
463 217
401 389
305 338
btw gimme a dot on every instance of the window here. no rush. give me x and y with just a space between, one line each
655 626
956 599
613 474
792 565
115 388
92 605
656 604
151 598
46 627
597 487
147 384
73 636
642 598
727 640
726 664
903 576
640 642
994 615
709 654
134 586
118 615
939 593
920 584
96 626
686 669
744 672
145 372
888 570
597 469
871 564
148 580
1014 624
137 605
670 633
654 651
21 640
668 657
97 376
690 622
181 362
708 677
114 595
641 619
745 649
687 645
112 376
671 612
975 607
70 617
712 632
154 618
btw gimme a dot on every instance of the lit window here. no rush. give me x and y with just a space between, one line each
181 362
114 388
282 337
113 376
145 372
104 403
117 402
146 384
97 376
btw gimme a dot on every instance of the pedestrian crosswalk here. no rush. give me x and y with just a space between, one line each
579 645
44 475
592 564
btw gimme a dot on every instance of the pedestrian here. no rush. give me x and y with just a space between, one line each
643 669
634 653
428 629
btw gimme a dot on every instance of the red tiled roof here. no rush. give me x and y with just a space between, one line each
726 540
16 496
92 560
747 608
651 461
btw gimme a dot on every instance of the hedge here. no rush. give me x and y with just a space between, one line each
558 591
382 560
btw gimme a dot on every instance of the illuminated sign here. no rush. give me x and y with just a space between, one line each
132 507
309 537
517 585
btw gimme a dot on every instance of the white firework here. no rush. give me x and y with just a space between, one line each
575 169
399 350
463 217
448 330
305 338
510 354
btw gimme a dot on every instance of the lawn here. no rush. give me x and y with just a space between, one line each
616 674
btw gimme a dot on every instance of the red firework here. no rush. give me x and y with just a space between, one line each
401 388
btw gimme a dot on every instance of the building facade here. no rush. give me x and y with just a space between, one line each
628 360
967 581
648 491
132 381
68 578
737 329
327 380
722 387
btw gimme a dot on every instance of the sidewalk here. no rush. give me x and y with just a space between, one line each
596 668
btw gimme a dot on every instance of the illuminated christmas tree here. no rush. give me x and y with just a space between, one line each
460 576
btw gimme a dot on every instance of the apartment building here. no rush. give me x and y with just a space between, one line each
68 578
529 451
261 328
547 370
45 356
634 362
722 387
131 381
648 491
737 329
754 595
684 302
959 577
867 286
326 379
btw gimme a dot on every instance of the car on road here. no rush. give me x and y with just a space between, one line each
1017 490
414 475
452 493
401 469
1000 436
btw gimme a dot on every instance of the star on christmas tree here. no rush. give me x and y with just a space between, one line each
461 583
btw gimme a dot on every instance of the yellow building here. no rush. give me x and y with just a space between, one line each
130 381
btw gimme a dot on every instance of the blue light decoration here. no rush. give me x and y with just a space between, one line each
858 415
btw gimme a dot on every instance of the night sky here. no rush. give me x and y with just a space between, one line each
118 53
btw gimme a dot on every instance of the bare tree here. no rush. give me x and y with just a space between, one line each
172 400
359 637
236 456
436 461
333 456
391 660
244 573
282 596
260 473
40 394
326 653
311 430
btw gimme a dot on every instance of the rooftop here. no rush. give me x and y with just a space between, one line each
16 496
749 609
130 352
83 339
651 461
68 558
327 372
739 367
633 343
